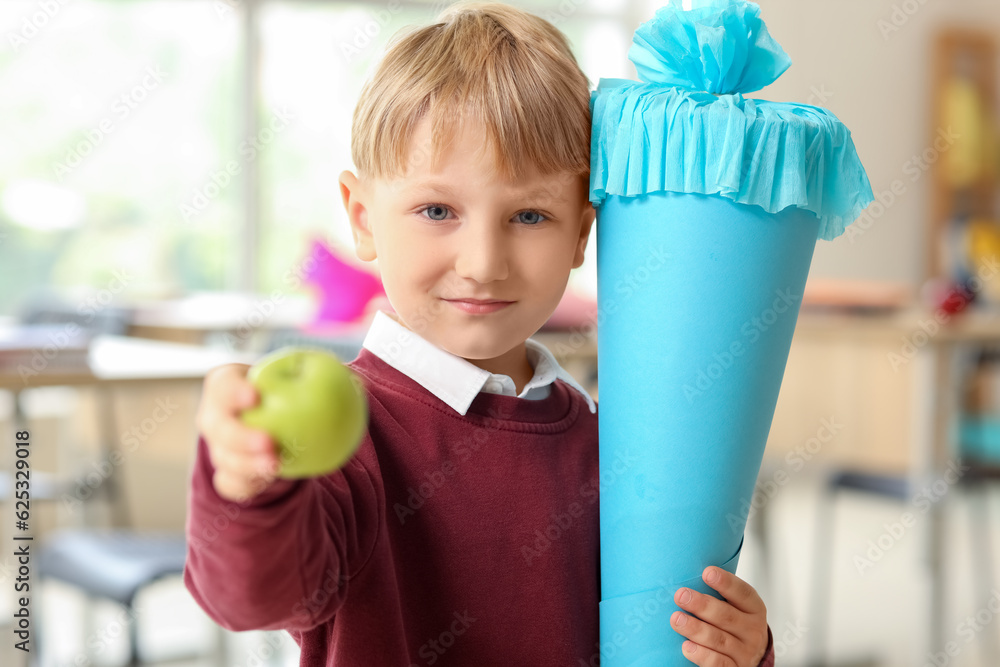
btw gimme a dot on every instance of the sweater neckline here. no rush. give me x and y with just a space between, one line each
553 413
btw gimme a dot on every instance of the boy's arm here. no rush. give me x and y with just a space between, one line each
283 558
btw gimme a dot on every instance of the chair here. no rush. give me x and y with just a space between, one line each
840 480
114 565
982 473
975 481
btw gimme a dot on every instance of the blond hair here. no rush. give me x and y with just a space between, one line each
486 62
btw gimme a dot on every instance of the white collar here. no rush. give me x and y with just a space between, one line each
453 379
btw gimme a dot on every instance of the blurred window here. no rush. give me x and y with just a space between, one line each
125 148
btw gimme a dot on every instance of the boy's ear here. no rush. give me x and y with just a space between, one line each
587 222
355 197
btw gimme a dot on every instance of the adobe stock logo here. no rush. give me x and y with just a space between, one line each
895 531
752 330
33 24
899 17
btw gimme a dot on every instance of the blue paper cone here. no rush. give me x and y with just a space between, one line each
701 296
709 206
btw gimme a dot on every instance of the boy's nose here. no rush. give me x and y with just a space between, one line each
482 255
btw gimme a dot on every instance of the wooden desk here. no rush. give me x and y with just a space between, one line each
125 359
113 362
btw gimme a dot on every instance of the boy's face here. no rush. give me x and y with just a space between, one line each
459 233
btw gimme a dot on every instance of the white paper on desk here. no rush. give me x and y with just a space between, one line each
113 357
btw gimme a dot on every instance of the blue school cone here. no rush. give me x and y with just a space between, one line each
709 206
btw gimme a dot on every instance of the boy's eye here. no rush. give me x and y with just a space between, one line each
434 209
438 212
535 218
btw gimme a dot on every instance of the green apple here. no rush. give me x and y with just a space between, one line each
312 405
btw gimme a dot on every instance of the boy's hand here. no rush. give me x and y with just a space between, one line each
245 459
731 633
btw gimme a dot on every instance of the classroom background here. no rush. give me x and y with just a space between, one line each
169 202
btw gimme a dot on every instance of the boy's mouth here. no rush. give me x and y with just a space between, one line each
479 306
481 301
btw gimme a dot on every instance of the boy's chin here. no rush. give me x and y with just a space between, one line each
476 352
478 349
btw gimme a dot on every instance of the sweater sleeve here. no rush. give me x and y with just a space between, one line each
768 659
284 558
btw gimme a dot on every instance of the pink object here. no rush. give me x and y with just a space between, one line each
344 290
576 310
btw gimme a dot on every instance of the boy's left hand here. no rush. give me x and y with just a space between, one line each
726 633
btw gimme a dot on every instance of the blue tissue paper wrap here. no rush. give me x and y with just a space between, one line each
687 127
709 207
716 48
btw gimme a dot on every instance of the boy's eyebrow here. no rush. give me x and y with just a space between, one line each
443 189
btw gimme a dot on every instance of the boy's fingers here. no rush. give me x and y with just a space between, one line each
244 458
242 463
707 636
227 392
737 592
716 613
228 387
234 391
235 446
234 434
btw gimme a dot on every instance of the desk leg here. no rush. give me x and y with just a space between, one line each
924 420
108 436
935 402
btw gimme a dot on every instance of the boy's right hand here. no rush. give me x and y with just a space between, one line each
245 459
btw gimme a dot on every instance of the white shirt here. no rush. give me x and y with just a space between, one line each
453 379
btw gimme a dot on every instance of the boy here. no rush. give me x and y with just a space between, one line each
433 544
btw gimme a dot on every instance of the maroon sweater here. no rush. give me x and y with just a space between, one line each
445 540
